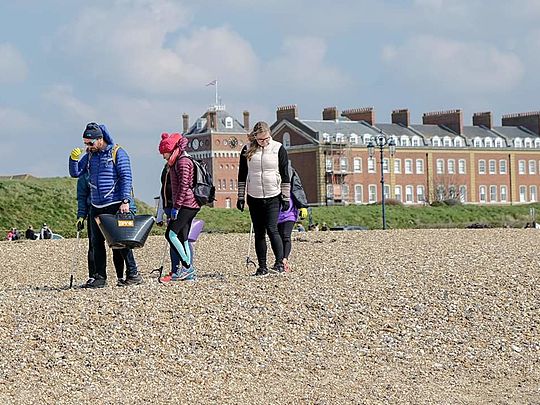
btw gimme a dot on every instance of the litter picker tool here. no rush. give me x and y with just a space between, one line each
248 258
75 259
159 270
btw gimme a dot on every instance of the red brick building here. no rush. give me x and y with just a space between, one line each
217 138
439 159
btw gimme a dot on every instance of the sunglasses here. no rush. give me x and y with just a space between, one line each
90 142
263 139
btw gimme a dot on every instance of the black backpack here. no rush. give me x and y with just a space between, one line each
203 186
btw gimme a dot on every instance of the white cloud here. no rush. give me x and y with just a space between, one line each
134 49
302 64
62 96
13 68
438 63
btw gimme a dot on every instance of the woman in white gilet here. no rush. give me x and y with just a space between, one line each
263 170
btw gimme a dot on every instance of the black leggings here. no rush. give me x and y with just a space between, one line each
264 215
285 230
177 234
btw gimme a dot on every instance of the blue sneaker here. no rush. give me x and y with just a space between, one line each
187 274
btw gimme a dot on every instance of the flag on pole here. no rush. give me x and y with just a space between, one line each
212 83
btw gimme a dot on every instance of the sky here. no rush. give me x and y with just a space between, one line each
137 65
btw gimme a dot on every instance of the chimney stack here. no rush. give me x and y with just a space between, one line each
330 114
452 119
185 122
529 120
287 112
402 117
246 120
360 114
482 118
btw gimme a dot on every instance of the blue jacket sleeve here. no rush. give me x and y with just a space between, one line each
77 168
83 191
123 169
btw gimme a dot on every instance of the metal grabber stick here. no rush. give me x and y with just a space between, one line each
75 259
160 268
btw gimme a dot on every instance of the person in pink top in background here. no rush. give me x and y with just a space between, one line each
185 207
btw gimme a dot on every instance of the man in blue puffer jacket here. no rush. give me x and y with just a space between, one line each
110 191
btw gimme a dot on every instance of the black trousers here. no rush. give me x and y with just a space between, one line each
118 259
98 245
264 215
285 231
177 234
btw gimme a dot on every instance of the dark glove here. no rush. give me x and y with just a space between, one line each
80 224
285 204
174 214
240 204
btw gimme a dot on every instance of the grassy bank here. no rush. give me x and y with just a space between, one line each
53 200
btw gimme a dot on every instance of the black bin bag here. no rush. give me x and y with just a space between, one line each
125 230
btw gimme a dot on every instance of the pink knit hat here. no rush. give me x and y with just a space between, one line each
168 142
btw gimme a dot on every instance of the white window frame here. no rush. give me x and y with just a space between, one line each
386 165
372 165
343 164
358 194
518 143
522 194
492 193
408 166
397 193
462 166
482 194
397 166
458 142
488 142
409 194
440 166
481 166
499 143
463 193
435 141
502 166
532 166
477 142
357 165
492 166
286 140
521 167
504 193
419 166
447 142
533 193
353 139
416 140
420 193
229 123
451 163
372 193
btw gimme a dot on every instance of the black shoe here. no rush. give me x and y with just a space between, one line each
134 279
261 271
120 282
278 268
95 283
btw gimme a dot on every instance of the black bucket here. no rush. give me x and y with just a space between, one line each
125 230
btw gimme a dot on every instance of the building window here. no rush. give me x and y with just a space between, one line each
481 166
228 122
340 138
357 165
482 194
452 191
436 141
488 142
440 192
224 184
458 142
420 194
231 185
528 142
409 194
492 166
502 166
419 166
344 164
533 195
408 166
286 140
372 193
522 194
405 141
385 165
462 165
228 202
397 166
371 165
499 143
358 194
345 192
329 165
440 166
353 139
415 140
537 143
451 166
493 193
504 194
329 191
386 191
397 192
366 138
463 194
518 143
326 138
447 141
532 166
219 184
477 142
521 167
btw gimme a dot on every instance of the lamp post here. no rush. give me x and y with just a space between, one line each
381 141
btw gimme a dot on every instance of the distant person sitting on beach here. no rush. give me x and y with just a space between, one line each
46 232
16 234
30 234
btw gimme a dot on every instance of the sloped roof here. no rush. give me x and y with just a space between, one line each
345 127
222 115
515 132
429 131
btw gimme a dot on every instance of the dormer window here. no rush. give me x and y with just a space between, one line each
537 143
405 141
286 140
201 122
528 142
436 141
458 142
499 143
416 140
353 139
478 142
339 138
326 138
367 138
488 142
447 141
518 143
228 122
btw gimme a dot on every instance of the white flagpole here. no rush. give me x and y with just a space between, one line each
216 92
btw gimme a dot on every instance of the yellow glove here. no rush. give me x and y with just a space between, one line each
76 154
302 213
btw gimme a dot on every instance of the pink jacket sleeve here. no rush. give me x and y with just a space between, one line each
182 183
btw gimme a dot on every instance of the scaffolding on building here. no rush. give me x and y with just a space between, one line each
337 153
